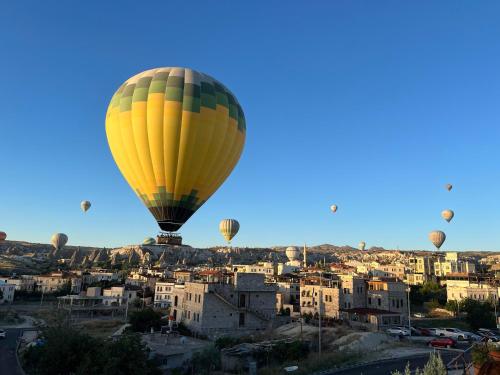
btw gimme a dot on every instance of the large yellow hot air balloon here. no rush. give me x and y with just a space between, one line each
437 238
447 215
228 228
59 240
176 135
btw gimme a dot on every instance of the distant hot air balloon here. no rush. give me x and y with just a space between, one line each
85 205
362 245
59 240
437 237
3 236
447 215
449 187
228 228
149 241
176 135
333 208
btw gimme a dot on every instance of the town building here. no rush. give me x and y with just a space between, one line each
240 304
266 268
163 293
24 283
6 292
57 281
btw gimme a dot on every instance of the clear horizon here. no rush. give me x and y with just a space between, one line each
370 106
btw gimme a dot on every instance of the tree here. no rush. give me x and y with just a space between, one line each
434 366
67 351
144 320
479 314
206 361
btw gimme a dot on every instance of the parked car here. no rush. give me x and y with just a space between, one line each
2 334
488 335
432 331
473 336
424 331
454 333
443 342
419 315
399 331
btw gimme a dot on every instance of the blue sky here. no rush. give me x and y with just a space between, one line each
370 105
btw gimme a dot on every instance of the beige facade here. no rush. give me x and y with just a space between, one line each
324 294
460 290
390 270
119 295
242 304
353 291
21 283
56 281
387 295
421 264
266 268
8 291
163 293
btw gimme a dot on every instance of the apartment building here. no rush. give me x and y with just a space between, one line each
453 264
423 265
240 304
388 295
459 289
24 283
118 294
56 281
266 268
353 291
164 293
320 294
7 292
389 270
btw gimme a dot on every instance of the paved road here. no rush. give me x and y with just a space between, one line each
386 367
8 362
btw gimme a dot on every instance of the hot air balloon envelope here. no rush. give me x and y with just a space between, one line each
228 228
85 205
176 134
447 215
437 237
59 240
333 208
3 236
149 241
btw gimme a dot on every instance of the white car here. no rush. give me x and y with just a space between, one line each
419 315
454 333
2 334
399 331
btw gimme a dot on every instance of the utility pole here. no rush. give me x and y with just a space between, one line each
319 314
409 313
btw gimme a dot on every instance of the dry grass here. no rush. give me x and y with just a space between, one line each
99 328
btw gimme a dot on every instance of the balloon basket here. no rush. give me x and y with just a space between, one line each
168 238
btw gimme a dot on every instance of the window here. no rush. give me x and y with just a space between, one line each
379 301
369 301
242 319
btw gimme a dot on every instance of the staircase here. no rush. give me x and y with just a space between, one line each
257 314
